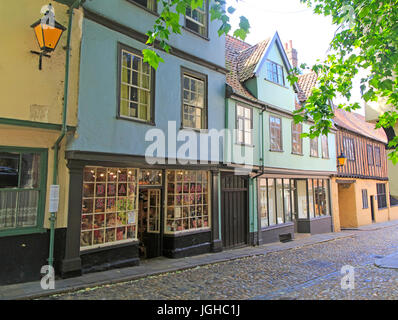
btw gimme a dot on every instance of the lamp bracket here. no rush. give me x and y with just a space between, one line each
40 54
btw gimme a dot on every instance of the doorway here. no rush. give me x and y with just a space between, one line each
234 210
372 208
149 223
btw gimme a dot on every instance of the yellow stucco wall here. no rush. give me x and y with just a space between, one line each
26 92
393 172
351 212
39 138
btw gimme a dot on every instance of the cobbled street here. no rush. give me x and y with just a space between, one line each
311 272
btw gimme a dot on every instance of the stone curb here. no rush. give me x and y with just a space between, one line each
258 251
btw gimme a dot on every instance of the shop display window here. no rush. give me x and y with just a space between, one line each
109 206
150 177
187 201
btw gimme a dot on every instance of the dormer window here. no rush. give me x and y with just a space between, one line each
275 73
196 20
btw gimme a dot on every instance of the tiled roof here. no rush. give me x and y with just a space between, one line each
249 58
305 83
355 122
348 120
233 48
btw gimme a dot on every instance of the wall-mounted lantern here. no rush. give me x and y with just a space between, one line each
47 32
341 159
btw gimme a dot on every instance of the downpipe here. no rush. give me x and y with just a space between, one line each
53 215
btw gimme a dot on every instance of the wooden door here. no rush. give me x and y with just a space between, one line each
234 210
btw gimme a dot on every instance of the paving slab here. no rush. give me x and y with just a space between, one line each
388 262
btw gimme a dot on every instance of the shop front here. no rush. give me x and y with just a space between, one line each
130 213
289 205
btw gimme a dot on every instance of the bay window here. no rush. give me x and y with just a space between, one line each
109 206
188 202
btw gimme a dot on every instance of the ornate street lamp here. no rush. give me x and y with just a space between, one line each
47 32
341 159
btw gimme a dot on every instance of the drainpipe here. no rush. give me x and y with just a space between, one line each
259 174
262 146
53 216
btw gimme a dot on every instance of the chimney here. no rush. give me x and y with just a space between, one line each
291 53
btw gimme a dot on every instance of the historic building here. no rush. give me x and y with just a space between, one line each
362 183
287 187
372 112
130 200
38 114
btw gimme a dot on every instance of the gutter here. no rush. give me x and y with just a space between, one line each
53 215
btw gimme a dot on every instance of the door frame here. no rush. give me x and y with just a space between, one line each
247 208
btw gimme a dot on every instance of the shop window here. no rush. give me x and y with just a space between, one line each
109 206
381 195
148 4
321 192
325 147
369 149
279 201
150 177
297 141
275 125
314 147
301 191
194 113
136 87
365 204
22 188
275 73
244 119
196 20
287 200
271 202
188 206
264 203
311 200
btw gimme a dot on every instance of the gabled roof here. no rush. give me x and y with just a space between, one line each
244 60
249 58
233 48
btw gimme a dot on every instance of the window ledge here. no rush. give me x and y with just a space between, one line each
314 156
271 150
298 154
21 231
204 131
196 34
149 123
108 246
187 232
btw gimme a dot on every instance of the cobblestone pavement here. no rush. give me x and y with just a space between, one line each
311 272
